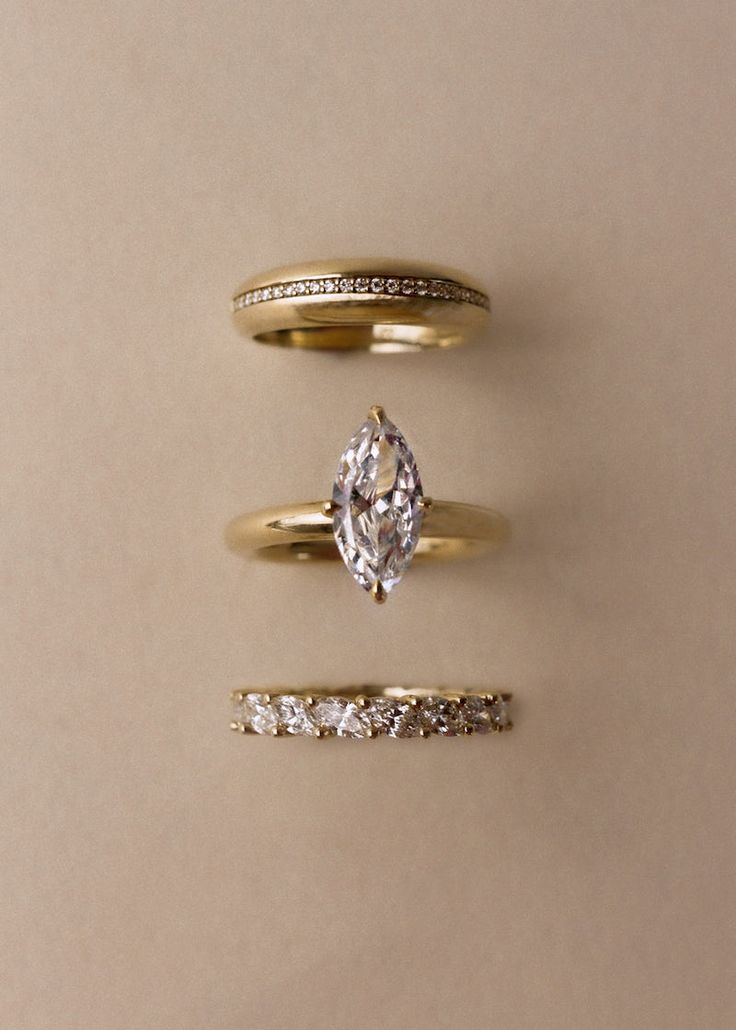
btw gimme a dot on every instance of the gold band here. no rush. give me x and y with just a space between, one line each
298 531
368 712
378 304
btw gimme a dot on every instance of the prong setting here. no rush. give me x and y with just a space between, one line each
368 712
378 592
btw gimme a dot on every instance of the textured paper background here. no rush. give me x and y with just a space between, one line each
160 872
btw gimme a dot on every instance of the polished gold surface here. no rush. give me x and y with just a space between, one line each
377 304
450 530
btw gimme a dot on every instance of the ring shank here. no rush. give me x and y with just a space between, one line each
392 306
300 532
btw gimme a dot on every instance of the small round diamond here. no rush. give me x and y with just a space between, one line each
330 285
314 286
421 287
393 285
277 292
361 285
346 285
377 285
300 288
407 286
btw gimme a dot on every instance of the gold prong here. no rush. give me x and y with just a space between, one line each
424 732
468 731
370 733
243 728
329 508
275 731
378 592
412 700
361 701
235 726
377 413
426 503
320 732
308 700
266 699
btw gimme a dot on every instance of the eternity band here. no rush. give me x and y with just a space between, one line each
362 713
378 304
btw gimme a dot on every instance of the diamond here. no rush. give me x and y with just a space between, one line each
259 714
295 715
405 285
500 713
377 495
476 715
442 715
393 717
342 717
238 709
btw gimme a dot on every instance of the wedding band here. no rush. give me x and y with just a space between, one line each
376 304
368 712
378 519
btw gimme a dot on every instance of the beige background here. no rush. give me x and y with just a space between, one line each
160 872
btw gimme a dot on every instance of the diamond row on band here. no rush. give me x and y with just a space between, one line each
361 717
391 286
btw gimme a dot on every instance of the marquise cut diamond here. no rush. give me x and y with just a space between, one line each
342 717
259 714
295 715
377 505
361 717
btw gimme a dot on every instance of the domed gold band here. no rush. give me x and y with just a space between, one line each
449 530
376 304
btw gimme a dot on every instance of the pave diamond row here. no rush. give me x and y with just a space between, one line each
361 717
387 286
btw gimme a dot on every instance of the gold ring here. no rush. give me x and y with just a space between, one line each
377 519
367 712
376 304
